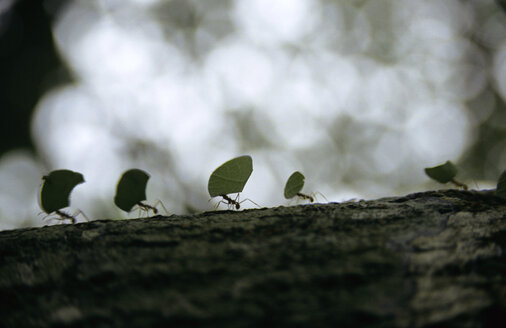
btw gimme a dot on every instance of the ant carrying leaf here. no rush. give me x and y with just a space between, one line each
294 185
445 173
230 178
131 192
55 193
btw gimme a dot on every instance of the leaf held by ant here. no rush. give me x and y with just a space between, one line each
230 177
445 173
131 190
442 173
294 184
56 189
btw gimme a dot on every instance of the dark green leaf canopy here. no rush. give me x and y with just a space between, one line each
230 177
442 173
294 184
56 189
131 189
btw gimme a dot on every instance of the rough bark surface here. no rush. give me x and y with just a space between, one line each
423 260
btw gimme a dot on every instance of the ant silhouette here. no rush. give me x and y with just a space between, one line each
62 216
311 197
231 203
459 184
304 196
143 207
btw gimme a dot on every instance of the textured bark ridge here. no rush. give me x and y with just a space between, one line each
424 260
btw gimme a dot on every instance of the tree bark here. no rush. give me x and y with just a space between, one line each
429 259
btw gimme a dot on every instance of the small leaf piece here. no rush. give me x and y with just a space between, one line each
442 173
131 189
56 189
501 185
294 184
230 177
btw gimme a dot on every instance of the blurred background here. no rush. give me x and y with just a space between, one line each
359 95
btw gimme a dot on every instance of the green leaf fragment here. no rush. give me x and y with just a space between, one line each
294 184
501 185
56 189
442 173
230 177
131 189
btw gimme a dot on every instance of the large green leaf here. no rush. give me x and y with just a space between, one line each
294 184
442 173
56 189
230 177
131 189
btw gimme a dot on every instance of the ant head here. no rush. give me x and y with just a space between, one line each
237 206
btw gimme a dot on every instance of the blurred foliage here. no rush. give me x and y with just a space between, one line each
29 66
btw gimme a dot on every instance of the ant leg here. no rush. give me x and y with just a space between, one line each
64 216
218 204
47 219
82 214
304 196
319 193
140 210
313 194
249 200
146 207
236 202
459 184
231 203
45 216
159 202
215 206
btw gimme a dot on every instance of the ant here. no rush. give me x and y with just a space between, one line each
62 216
233 202
311 197
146 207
459 184
304 196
